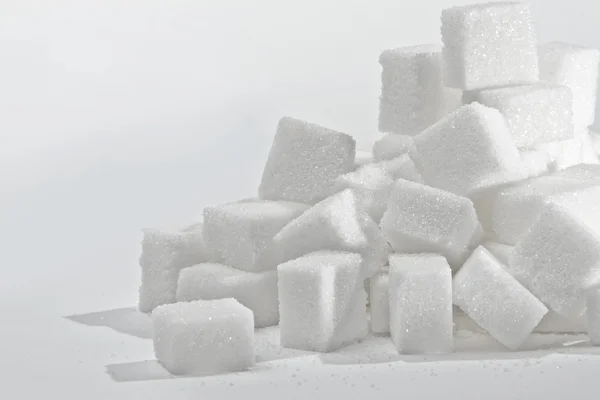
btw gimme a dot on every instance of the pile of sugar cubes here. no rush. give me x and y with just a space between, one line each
481 200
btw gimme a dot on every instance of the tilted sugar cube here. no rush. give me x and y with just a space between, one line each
372 186
420 292
379 301
593 315
304 161
401 167
495 300
535 114
488 155
204 337
559 257
362 158
422 219
255 290
239 234
336 223
322 302
577 68
412 93
492 44
164 254
390 146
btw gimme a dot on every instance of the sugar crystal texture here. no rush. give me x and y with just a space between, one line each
255 290
204 337
239 234
372 186
337 223
379 301
304 161
486 45
422 219
322 302
593 315
420 293
401 167
164 254
468 151
390 146
412 92
495 300
575 67
535 114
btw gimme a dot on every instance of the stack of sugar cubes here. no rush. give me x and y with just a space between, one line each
479 201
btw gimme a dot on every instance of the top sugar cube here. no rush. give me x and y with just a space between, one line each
487 45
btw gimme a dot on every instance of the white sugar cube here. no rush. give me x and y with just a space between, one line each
412 93
255 290
593 315
535 162
379 301
336 223
401 167
422 219
535 114
322 302
560 255
585 173
164 254
468 151
492 44
420 292
304 161
589 155
556 323
577 68
501 251
372 186
390 146
495 300
238 234
204 337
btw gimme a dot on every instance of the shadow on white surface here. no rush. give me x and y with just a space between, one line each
129 321
148 370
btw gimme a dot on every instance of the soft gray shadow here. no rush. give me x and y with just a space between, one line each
149 370
129 321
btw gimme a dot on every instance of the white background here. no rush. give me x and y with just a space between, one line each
121 114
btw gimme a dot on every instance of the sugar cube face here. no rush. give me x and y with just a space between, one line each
589 155
501 251
488 45
575 67
390 146
488 155
593 315
535 114
379 300
254 290
420 292
412 92
372 186
535 162
495 300
322 302
164 254
401 167
239 234
585 173
304 161
336 223
558 258
422 219
204 337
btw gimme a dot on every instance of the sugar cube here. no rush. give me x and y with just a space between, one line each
422 219
401 167
535 114
535 162
495 300
379 300
390 146
255 290
556 323
594 139
239 234
372 186
488 155
204 337
304 161
420 293
593 315
336 223
588 150
501 251
492 44
322 302
575 67
412 93
584 173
